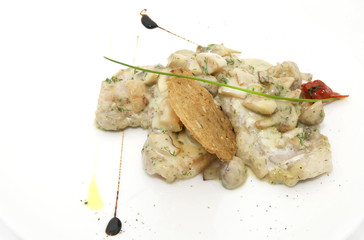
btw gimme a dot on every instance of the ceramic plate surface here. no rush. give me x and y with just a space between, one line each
52 67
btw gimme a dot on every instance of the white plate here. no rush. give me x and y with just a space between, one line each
52 67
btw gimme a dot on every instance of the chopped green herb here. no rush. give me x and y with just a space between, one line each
204 66
187 173
302 136
113 79
167 150
230 61
224 79
153 160
313 89
123 109
322 114
209 47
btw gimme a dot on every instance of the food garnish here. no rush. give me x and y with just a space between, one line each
319 90
195 107
330 98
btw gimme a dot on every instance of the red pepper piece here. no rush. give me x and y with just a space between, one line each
319 90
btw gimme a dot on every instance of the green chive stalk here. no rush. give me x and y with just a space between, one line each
224 85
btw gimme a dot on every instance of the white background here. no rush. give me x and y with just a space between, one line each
51 68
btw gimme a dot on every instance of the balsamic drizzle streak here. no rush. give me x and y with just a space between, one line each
150 24
114 225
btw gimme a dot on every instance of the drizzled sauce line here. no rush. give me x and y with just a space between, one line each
121 157
150 24
114 225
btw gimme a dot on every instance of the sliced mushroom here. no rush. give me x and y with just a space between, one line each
267 122
287 69
286 82
150 78
168 119
285 119
194 67
177 60
234 62
313 114
210 62
260 104
232 92
264 78
244 77
162 83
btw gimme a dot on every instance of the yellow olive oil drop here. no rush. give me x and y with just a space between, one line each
94 201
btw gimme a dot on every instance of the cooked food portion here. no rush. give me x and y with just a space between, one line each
275 154
174 155
279 140
170 150
123 101
199 127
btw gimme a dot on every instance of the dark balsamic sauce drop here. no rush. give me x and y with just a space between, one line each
148 22
113 227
